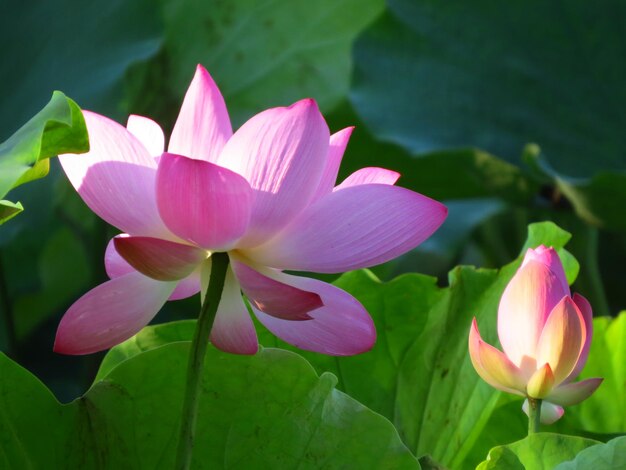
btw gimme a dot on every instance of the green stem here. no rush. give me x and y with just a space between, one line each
198 350
534 415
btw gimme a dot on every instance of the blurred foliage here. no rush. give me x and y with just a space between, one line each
261 54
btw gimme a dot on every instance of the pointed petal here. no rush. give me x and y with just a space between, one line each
116 178
203 125
111 313
353 228
524 307
562 339
233 330
336 149
148 132
541 382
159 259
370 175
342 327
585 309
273 297
573 393
282 153
550 413
202 202
551 259
493 366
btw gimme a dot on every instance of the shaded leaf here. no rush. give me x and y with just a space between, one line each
497 81
82 48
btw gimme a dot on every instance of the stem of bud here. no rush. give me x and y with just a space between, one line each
534 415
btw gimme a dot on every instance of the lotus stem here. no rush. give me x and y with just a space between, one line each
534 415
197 353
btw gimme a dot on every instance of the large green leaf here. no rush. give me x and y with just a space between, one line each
543 451
58 128
609 456
497 76
261 54
266 411
430 75
419 374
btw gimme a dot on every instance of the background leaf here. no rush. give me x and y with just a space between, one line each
431 75
261 54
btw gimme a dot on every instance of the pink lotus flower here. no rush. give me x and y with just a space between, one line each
545 335
266 195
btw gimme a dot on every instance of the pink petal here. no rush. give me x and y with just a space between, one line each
336 149
370 175
111 313
233 330
203 125
148 132
273 297
342 327
160 259
116 178
540 383
524 307
187 287
117 266
550 413
202 202
353 228
493 366
585 309
574 393
282 153
551 259
562 339
114 264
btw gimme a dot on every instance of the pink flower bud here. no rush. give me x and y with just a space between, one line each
545 334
